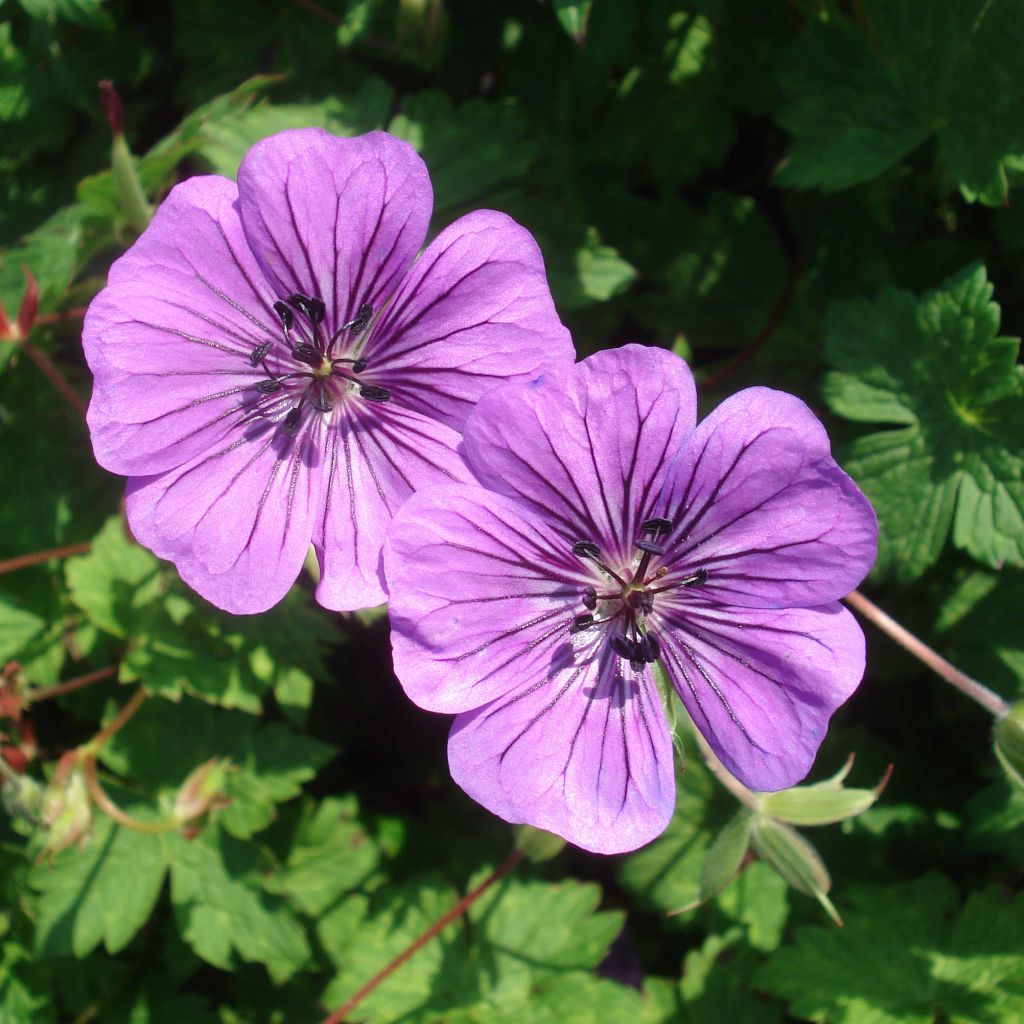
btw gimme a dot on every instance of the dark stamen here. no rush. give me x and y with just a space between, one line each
358 365
581 622
624 647
361 321
268 387
286 315
590 598
291 421
698 579
656 527
259 353
322 403
586 549
650 547
650 648
306 353
374 393
312 309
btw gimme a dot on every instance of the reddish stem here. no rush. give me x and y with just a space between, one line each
53 375
59 689
775 318
60 316
506 866
24 561
117 723
964 683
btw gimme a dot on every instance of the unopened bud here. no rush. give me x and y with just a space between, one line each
202 792
66 811
537 845
796 860
822 803
1009 742
113 108
723 859
29 304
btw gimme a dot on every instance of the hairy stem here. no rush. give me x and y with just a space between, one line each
720 772
117 723
112 811
59 689
990 701
506 866
24 561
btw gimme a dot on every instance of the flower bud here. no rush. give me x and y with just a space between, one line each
1009 741
723 859
823 803
536 844
66 810
796 860
202 792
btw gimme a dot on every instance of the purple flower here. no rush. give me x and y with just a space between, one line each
272 368
605 533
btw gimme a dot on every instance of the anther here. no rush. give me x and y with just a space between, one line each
650 648
306 353
358 365
322 403
361 321
312 309
291 421
286 315
590 598
580 623
698 579
269 387
374 393
259 353
650 548
656 527
586 549
624 647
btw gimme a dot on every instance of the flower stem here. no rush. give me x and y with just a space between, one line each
504 868
59 689
720 772
990 701
117 723
61 316
24 561
112 811
53 375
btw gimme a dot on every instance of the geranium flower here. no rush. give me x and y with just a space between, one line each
273 368
606 533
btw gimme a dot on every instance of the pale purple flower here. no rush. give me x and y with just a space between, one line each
274 366
607 532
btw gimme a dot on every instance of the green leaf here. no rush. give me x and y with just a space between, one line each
862 97
572 16
101 894
88 13
25 992
937 372
906 956
758 899
17 628
222 913
725 855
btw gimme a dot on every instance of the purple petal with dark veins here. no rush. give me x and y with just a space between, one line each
761 684
337 219
474 312
583 751
587 448
169 340
375 456
237 520
758 501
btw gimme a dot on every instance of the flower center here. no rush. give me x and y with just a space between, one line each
320 376
631 604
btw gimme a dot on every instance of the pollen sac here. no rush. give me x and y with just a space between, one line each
650 648
322 403
358 365
312 309
306 353
374 393
698 579
650 547
259 353
291 421
656 527
625 648
586 549
362 320
580 623
590 598
286 315
269 387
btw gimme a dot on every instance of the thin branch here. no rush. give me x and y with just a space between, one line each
61 316
506 866
117 723
112 811
990 701
53 375
775 318
725 777
24 561
59 689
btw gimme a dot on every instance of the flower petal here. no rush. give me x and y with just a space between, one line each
587 448
236 521
337 219
169 339
583 752
762 684
376 456
761 504
475 312
482 596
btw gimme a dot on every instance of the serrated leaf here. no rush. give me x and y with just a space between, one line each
936 370
863 96
17 628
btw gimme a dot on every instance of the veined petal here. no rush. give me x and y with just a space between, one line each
337 219
475 312
759 502
482 596
375 457
169 339
587 448
583 752
762 684
237 520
